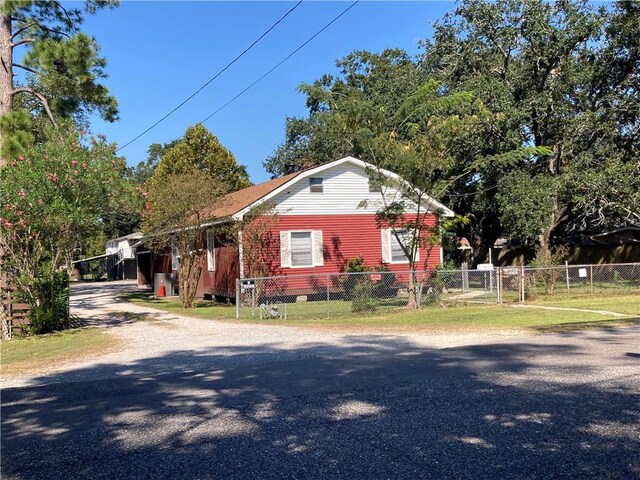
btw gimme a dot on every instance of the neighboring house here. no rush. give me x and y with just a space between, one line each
323 217
123 252
118 262
621 245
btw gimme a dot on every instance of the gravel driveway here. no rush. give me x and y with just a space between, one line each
192 398
157 342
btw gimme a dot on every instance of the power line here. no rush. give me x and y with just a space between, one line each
281 62
214 77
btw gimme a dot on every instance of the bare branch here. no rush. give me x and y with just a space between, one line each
23 67
64 10
53 30
22 42
23 29
41 98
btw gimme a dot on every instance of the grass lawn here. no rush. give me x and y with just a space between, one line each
627 304
31 354
458 318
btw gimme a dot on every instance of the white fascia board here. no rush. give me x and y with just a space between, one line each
314 171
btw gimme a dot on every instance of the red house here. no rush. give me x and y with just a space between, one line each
323 217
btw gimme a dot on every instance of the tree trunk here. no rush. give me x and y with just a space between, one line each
412 302
6 70
546 237
189 277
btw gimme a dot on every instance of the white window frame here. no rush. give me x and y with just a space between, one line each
390 236
211 252
317 249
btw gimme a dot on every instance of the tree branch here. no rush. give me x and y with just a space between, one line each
41 98
31 70
22 29
64 10
22 42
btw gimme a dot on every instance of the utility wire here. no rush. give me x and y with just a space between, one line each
214 77
281 62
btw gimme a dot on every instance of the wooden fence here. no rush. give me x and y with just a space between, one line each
14 314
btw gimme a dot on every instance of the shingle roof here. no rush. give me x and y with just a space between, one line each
232 203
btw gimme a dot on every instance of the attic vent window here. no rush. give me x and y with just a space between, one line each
315 185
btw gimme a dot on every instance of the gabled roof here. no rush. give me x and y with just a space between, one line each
235 205
235 202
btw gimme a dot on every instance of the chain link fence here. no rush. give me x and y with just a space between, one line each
531 283
331 295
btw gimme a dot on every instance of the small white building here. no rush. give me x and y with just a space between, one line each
124 248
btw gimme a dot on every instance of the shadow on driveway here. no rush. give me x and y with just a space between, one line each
377 410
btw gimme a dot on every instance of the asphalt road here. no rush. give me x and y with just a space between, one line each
554 406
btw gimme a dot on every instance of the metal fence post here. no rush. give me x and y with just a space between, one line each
328 296
237 298
522 272
465 278
566 269
591 279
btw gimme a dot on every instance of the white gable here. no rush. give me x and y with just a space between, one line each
345 187
345 190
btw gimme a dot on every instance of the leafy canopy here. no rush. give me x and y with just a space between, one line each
201 150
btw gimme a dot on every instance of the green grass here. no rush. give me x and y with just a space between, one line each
30 354
627 304
453 318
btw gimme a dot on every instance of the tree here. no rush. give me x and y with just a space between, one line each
52 199
561 77
189 182
385 79
176 215
564 76
415 143
61 66
145 169
201 150
258 241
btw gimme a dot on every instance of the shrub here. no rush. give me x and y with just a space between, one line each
363 296
433 287
48 299
548 263
355 268
387 286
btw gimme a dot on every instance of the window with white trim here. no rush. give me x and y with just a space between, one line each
302 248
175 255
211 253
398 241
392 243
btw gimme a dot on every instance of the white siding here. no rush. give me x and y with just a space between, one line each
345 187
114 246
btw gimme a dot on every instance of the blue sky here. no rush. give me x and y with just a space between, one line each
160 52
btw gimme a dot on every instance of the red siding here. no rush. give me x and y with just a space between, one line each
344 237
222 281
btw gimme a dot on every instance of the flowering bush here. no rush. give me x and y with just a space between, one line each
54 197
